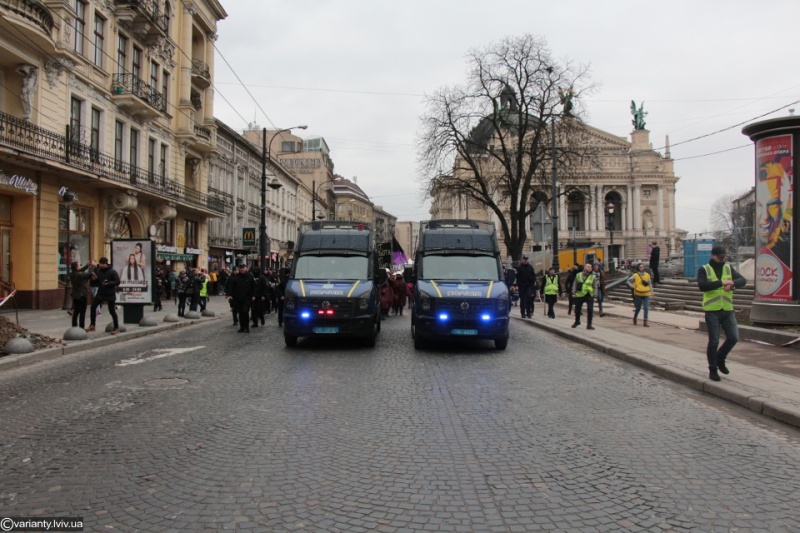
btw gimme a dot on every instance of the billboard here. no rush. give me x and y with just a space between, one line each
774 183
133 261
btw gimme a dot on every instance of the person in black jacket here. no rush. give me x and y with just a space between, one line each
80 293
526 281
280 291
242 290
568 285
261 294
108 280
655 258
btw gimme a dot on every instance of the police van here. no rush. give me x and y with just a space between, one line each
333 286
459 291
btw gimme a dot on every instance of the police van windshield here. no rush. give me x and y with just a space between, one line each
331 267
459 267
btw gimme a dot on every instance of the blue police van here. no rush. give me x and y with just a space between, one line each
333 287
459 291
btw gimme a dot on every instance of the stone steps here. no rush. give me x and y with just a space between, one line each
672 293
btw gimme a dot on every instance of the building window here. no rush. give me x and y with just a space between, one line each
165 84
162 164
574 220
80 25
151 157
191 234
122 53
99 39
136 66
165 234
76 108
646 192
134 152
154 74
77 249
94 141
119 130
287 146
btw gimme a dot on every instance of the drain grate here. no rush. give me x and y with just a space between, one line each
167 382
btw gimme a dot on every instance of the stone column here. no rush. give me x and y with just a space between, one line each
601 209
637 207
185 92
629 204
563 215
208 109
660 211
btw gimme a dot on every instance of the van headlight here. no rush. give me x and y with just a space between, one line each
363 301
424 301
289 302
502 305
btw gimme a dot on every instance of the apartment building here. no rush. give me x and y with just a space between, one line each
106 131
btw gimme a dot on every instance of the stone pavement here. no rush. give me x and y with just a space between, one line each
763 378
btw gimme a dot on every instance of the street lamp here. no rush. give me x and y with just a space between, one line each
315 189
263 247
555 263
68 197
610 209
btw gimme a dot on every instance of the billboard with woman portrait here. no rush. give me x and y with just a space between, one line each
133 260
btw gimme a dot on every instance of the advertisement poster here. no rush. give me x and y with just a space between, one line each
133 261
774 196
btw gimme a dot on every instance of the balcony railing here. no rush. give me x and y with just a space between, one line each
32 10
150 9
46 144
199 68
128 83
203 133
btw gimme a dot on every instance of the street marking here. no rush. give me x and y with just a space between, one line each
168 353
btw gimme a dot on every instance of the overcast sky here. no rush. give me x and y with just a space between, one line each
356 71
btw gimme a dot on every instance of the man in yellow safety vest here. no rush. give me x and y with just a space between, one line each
584 289
717 280
551 289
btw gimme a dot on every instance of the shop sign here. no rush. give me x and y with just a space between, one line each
194 251
166 248
19 182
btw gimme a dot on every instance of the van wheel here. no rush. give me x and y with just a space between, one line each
501 344
378 321
291 340
369 340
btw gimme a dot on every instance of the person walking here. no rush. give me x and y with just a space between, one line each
261 294
526 281
108 281
642 288
158 286
569 284
601 286
583 290
655 258
242 292
80 293
717 280
180 290
205 282
280 291
551 290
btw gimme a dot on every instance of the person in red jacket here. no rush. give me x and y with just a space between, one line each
387 296
400 291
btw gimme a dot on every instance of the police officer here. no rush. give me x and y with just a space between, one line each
241 291
551 290
526 281
718 280
584 290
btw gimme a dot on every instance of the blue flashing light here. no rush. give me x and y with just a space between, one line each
486 318
443 317
305 314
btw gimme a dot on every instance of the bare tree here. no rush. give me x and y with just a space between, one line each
490 141
732 226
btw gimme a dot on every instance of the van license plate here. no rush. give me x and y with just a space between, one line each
326 330
464 331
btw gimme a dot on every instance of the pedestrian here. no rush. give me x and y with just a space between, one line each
227 289
583 290
222 279
569 284
241 290
655 257
280 291
173 285
399 293
180 288
205 281
192 289
108 281
510 277
387 296
94 286
642 288
261 294
272 294
717 280
526 282
601 286
551 290
80 293
157 288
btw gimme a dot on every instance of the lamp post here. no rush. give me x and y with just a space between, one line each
610 209
315 189
263 247
68 197
555 263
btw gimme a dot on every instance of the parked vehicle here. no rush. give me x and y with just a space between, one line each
333 286
459 287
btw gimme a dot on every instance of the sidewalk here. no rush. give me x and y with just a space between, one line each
763 378
54 323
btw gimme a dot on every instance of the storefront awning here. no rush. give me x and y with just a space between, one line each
176 257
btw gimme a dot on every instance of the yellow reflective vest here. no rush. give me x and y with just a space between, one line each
718 299
586 285
550 285
639 288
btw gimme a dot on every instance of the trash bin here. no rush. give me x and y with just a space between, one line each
132 313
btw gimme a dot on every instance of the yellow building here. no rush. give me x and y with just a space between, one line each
108 104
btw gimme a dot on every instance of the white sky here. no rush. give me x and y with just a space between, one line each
356 72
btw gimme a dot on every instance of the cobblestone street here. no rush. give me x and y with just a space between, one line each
205 429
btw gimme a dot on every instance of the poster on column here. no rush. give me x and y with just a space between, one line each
133 260
774 183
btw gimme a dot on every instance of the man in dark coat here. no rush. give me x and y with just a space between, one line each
80 293
568 285
241 290
526 281
108 280
655 257
261 294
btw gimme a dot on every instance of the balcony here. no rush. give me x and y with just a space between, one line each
137 97
201 74
198 138
32 11
144 18
45 144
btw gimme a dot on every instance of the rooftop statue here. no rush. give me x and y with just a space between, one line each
638 116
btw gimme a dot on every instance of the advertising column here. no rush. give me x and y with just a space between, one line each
776 299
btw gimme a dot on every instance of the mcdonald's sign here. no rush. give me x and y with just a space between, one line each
248 236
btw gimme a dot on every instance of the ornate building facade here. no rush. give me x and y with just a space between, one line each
106 131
